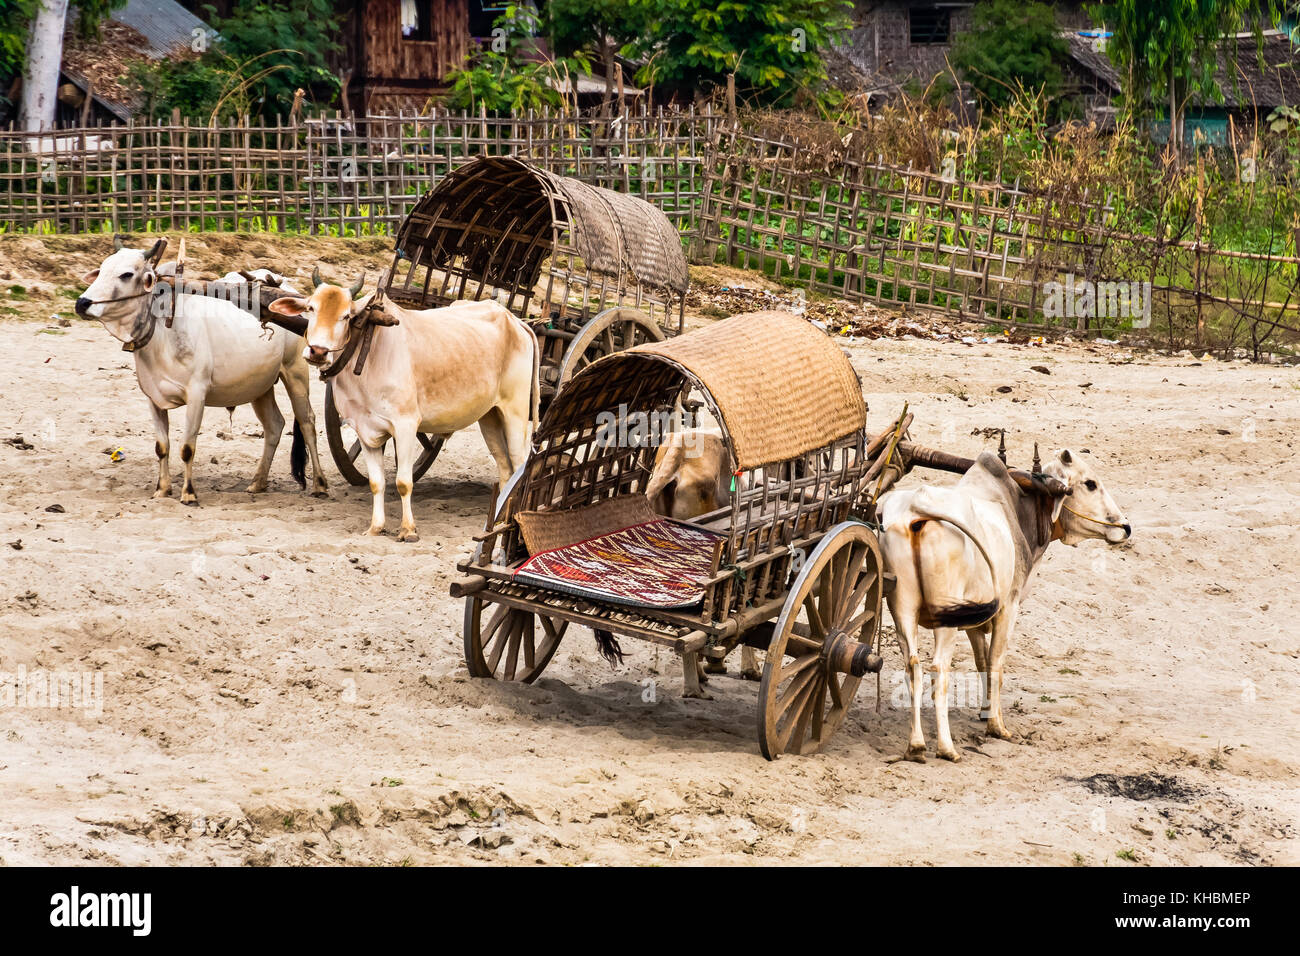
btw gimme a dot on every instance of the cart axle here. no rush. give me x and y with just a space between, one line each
848 656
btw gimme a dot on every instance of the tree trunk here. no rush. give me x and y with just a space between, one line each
44 57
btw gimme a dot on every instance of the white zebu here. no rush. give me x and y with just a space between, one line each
963 557
214 355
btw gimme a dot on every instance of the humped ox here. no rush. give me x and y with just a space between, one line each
434 371
963 557
213 354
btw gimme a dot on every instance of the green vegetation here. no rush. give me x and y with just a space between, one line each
688 47
264 53
1012 46
510 76
1167 49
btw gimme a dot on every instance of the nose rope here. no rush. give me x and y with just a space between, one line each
1108 524
125 298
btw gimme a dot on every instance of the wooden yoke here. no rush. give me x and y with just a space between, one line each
252 297
942 461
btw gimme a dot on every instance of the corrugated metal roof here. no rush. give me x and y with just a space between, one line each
165 23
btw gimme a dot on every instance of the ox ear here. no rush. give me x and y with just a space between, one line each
1066 457
1058 502
288 305
361 304
90 276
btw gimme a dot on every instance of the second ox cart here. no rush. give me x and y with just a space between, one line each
790 565
592 270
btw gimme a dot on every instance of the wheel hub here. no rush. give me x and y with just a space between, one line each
847 655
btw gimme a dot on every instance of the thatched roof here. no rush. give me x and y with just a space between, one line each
503 216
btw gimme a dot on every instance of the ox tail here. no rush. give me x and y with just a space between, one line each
966 614
298 456
608 646
536 393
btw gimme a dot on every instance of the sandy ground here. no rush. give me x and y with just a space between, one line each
279 688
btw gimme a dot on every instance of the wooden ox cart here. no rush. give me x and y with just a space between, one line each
790 565
592 270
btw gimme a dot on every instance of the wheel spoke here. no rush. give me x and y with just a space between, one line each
865 583
355 450
800 664
512 656
500 638
530 649
818 704
797 645
815 623
836 687
795 689
800 721
856 624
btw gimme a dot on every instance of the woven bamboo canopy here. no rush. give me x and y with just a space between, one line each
497 220
778 386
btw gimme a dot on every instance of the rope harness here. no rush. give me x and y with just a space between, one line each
364 322
1108 524
138 341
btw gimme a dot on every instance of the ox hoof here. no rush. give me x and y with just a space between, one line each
751 674
950 754
915 754
1000 732
319 489
715 667
410 537
700 694
375 531
257 487
191 501
163 493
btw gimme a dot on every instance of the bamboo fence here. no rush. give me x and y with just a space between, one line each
816 213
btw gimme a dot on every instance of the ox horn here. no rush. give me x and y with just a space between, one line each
118 244
355 290
316 279
155 252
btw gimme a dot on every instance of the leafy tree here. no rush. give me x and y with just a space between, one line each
1168 49
14 18
771 45
261 55
1012 45
514 78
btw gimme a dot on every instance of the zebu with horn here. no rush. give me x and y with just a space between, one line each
399 372
201 351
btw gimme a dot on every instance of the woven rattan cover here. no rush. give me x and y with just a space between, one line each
782 386
547 530
613 233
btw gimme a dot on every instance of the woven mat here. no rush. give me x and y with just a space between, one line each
656 564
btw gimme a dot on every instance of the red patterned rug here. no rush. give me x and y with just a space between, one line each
656 564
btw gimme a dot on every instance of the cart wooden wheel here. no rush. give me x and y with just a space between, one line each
821 645
610 331
512 644
345 451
